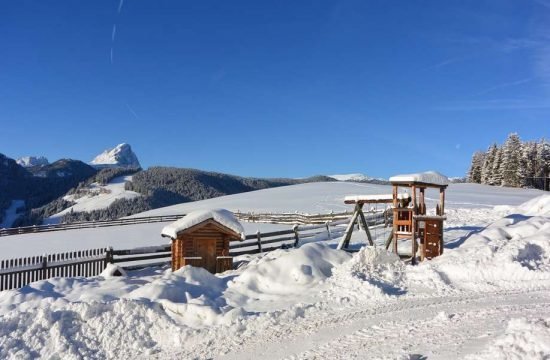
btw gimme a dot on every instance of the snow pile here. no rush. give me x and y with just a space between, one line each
29 161
511 253
194 294
283 277
539 206
112 270
222 216
523 339
428 177
119 156
373 272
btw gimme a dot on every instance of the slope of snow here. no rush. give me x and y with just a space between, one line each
224 217
119 156
329 196
97 197
28 161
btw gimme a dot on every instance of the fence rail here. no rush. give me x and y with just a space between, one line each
282 218
16 273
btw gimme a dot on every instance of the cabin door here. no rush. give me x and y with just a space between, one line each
206 249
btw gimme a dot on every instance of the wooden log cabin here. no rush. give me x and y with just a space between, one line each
201 239
410 221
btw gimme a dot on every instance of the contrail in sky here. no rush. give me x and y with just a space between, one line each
113 35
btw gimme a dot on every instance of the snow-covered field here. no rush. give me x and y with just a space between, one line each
97 197
487 296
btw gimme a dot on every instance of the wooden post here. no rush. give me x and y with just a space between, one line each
442 201
365 225
395 217
258 235
349 230
296 236
413 225
328 230
44 271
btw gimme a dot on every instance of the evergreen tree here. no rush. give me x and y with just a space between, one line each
487 168
496 176
542 165
526 171
474 174
511 154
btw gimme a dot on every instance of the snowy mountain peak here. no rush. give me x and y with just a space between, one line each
119 156
352 177
28 161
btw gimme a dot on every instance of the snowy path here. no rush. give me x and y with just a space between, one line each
445 327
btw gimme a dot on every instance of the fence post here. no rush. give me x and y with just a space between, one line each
44 267
258 235
296 235
109 256
328 230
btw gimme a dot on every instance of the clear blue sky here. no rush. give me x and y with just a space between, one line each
274 88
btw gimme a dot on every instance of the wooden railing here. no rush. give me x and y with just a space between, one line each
281 218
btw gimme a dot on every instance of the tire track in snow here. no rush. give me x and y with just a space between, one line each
303 334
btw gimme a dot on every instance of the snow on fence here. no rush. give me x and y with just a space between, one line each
16 273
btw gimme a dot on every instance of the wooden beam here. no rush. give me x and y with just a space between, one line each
365 225
349 230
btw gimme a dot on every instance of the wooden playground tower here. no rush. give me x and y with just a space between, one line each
410 221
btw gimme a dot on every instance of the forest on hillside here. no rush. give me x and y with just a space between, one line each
514 164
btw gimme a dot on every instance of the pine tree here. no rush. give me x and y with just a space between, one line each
487 168
496 176
542 162
527 170
474 174
511 153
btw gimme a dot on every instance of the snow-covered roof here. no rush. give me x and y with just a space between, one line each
222 216
375 197
428 177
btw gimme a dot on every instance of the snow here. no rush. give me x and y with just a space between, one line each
522 339
119 156
381 197
353 177
222 216
487 296
10 215
28 161
428 177
97 197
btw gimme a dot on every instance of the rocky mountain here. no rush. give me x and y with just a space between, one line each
29 161
119 156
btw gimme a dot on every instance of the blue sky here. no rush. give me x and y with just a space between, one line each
274 88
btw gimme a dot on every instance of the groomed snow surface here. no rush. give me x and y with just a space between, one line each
487 296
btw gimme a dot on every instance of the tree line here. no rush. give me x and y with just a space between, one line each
513 164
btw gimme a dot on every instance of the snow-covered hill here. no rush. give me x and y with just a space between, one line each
29 161
96 197
354 177
119 156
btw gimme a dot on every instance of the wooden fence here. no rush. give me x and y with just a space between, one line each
16 273
281 218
